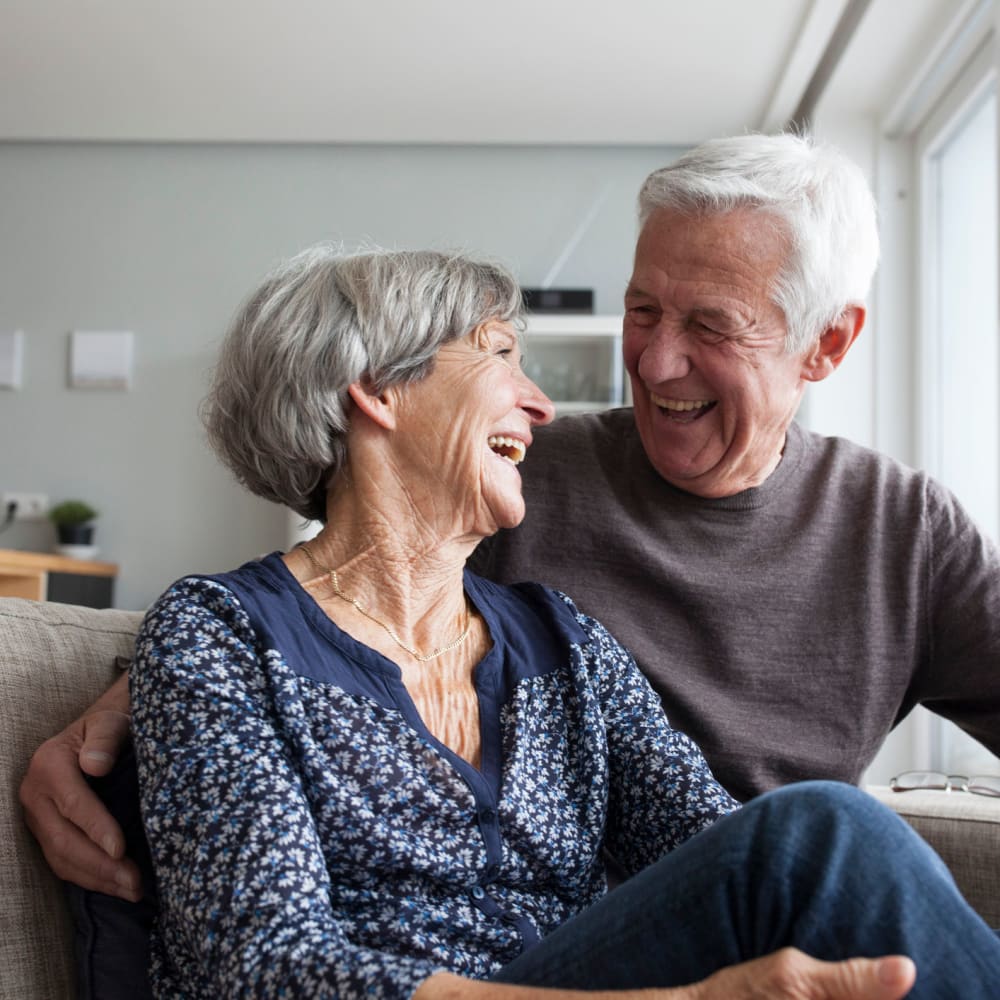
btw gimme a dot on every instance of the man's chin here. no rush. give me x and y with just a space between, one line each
682 465
700 478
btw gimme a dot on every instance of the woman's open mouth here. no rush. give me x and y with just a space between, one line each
507 447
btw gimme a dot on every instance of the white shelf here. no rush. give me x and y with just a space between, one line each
577 360
575 325
564 407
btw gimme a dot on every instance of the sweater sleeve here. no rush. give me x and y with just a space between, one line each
240 870
961 675
661 789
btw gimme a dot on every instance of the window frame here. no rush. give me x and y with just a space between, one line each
953 110
955 106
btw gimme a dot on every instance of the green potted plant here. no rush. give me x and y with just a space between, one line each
74 522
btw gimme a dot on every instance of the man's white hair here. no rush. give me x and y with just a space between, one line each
820 198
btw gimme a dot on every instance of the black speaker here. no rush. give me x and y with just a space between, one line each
558 300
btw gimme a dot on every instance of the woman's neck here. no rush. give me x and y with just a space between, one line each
393 569
388 579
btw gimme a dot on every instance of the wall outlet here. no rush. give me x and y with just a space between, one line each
30 506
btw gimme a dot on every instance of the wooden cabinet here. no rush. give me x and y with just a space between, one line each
39 576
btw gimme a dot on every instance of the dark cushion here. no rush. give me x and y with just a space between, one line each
111 934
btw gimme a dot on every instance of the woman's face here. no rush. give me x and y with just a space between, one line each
464 429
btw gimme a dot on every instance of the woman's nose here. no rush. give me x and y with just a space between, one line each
535 403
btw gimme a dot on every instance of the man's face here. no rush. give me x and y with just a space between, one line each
713 388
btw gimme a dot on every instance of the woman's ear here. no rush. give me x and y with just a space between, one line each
377 406
827 353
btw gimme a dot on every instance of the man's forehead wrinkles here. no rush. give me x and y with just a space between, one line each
637 290
722 287
716 292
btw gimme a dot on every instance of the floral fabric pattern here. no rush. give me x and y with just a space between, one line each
311 838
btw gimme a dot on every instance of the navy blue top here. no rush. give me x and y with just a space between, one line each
308 832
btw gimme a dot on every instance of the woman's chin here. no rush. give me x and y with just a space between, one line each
506 515
500 501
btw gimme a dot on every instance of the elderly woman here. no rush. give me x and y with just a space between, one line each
366 772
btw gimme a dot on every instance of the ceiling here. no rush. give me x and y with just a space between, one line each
440 71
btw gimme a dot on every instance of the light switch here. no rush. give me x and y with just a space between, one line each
100 360
11 358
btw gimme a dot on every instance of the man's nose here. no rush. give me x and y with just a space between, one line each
664 356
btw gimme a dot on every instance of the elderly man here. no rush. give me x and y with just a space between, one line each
791 597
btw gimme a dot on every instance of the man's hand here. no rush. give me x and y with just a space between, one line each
80 839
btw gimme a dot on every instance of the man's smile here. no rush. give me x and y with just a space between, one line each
682 410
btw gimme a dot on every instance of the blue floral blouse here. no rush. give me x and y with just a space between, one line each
310 837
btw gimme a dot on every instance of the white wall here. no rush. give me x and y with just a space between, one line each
164 240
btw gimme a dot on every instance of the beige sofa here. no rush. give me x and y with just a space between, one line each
55 659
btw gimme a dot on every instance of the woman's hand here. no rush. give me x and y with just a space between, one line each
80 839
788 974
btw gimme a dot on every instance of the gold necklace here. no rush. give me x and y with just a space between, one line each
420 657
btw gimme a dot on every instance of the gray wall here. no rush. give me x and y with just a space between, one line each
164 240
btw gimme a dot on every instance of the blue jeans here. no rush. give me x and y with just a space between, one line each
819 866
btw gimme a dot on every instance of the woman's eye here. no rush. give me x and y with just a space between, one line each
508 356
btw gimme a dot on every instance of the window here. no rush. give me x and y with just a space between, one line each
961 357
960 343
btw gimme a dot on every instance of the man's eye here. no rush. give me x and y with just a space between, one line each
642 314
709 333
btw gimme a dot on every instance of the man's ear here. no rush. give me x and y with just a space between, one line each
825 356
377 406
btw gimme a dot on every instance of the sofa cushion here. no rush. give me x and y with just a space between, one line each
965 830
112 935
55 660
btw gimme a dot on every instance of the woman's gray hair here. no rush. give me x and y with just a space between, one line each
277 410
823 204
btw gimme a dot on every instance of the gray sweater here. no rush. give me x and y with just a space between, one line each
787 628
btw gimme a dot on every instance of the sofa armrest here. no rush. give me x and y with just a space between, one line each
964 829
55 660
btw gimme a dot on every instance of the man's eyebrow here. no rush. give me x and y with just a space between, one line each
634 291
732 319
